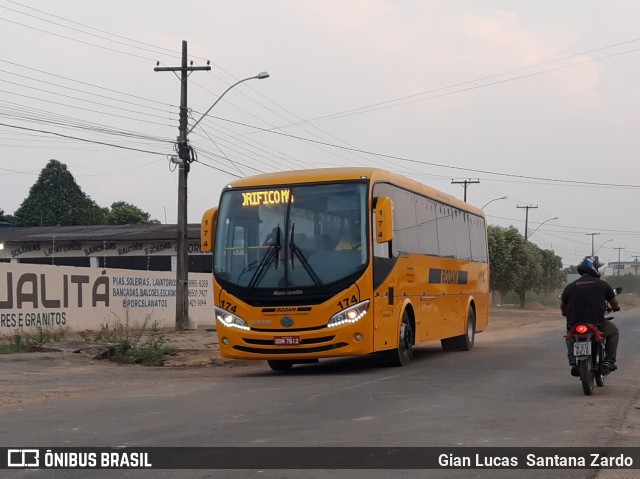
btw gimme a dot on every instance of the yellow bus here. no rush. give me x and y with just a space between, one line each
335 262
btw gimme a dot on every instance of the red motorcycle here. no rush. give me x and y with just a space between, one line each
589 350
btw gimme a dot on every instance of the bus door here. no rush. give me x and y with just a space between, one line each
385 304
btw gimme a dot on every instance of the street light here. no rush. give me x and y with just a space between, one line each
495 199
596 251
259 76
550 219
184 152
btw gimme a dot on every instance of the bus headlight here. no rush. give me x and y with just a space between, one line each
230 320
352 314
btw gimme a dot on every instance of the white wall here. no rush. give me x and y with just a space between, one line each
80 299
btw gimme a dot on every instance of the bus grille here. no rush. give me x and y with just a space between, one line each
288 330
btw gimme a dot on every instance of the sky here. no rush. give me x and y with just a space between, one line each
536 101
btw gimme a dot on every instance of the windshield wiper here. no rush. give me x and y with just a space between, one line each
263 266
303 260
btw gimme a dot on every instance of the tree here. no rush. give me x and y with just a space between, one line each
527 256
504 272
55 199
553 277
123 213
520 266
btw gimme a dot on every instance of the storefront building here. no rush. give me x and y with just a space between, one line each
138 247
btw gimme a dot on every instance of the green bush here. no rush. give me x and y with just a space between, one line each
146 345
550 300
22 340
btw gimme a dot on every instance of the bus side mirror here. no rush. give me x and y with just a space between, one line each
207 229
384 219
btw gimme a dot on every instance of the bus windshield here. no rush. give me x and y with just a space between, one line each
291 236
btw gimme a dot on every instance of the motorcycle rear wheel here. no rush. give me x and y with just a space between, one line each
601 356
598 373
587 376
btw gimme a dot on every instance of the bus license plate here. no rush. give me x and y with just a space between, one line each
286 340
582 348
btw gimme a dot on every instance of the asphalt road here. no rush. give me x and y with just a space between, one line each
512 389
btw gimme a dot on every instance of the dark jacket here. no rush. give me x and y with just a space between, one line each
585 300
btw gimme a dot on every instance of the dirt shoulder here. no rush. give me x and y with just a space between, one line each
507 317
200 348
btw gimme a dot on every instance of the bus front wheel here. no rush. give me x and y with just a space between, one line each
402 355
280 365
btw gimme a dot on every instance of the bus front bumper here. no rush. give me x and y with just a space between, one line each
323 343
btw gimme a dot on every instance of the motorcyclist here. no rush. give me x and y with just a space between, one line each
584 301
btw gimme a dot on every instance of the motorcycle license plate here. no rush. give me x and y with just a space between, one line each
286 340
582 348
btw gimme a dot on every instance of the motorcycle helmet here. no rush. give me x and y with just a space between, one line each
590 265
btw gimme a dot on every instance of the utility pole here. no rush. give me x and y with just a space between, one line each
593 246
636 265
526 219
619 259
464 184
185 158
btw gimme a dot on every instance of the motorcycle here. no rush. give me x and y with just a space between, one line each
589 350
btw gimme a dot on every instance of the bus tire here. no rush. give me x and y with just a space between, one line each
402 355
280 365
464 342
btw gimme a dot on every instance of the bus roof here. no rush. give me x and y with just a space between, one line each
354 173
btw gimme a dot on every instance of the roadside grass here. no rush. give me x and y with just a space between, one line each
540 301
146 345
534 300
22 341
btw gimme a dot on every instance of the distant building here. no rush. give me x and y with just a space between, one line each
143 247
624 267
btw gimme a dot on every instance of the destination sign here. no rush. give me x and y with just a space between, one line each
269 197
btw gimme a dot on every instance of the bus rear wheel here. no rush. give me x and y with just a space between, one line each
465 341
402 355
280 365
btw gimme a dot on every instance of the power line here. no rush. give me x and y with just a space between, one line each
250 150
86 84
410 160
78 91
273 126
37 115
315 127
356 150
372 107
75 99
76 40
84 109
548 231
174 53
117 172
98 36
81 31
83 139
